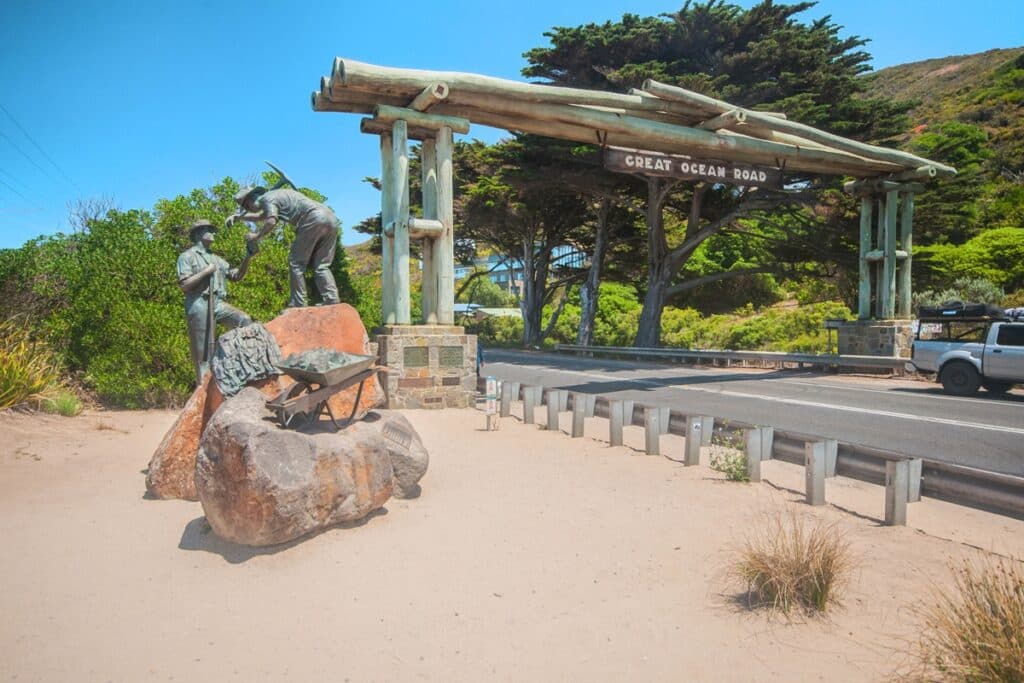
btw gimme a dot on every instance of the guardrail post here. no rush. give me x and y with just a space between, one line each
664 416
590 404
691 454
506 398
897 478
579 413
627 412
707 429
615 419
652 431
767 442
531 399
831 453
814 471
757 440
555 398
914 480
563 400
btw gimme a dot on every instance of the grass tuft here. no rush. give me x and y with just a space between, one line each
28 369
793 565
975 630
61 402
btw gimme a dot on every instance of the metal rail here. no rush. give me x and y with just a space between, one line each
1001 493
800 359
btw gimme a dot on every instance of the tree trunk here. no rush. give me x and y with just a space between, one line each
589 288
648 332
535 275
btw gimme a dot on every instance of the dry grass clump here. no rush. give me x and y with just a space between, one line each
975 630
792 564
28 369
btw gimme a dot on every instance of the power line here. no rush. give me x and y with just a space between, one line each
36 144
22 152
17 180
8 186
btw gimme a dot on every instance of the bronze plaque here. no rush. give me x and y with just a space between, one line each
451 356
679 166
451 381
416 357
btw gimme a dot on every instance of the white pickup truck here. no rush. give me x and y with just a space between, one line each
968 352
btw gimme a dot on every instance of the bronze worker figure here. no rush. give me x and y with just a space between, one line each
201 276
316 236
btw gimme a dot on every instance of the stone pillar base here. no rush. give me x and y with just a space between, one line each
432 366
889 338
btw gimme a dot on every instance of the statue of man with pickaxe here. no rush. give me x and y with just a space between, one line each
316 234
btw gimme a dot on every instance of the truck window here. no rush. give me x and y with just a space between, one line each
1011 335
953 331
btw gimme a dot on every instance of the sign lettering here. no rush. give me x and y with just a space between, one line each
679 166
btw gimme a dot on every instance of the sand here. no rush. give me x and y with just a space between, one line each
528 556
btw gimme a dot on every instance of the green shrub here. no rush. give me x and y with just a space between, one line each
730 462
498 331
28 368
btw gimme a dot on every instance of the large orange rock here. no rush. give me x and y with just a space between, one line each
172 469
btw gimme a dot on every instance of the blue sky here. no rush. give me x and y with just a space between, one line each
135 101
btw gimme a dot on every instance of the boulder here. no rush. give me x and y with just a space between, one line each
262 485
408 455
172 468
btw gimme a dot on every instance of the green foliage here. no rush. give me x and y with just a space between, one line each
974 290
107 299
995 255
499 331
731 462
483 291
28 368
798 330
61 402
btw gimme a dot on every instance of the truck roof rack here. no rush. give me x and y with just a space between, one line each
958 311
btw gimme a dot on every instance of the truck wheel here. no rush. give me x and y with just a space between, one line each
996 387
959 378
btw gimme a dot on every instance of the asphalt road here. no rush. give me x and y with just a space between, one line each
906 416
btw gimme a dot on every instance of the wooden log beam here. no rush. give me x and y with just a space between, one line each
424 227
667 137
400 221
429 96
444 244
714 107
375 127
387 216
864 289
387 114
730 119
407 83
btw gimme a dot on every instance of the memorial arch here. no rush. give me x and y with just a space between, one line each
657 130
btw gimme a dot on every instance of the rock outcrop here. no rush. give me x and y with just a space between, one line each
262 485
338 327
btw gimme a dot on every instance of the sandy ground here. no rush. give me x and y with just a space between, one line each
528 556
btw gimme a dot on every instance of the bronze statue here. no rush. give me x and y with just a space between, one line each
316 235
201 276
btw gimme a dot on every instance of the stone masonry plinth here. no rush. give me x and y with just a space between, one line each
889 338
432 366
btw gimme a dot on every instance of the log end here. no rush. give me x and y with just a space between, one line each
338 71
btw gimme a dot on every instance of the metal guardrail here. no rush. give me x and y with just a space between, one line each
991 491
828 360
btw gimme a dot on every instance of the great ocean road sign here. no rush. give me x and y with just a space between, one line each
679 166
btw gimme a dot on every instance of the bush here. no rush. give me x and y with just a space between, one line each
974 290
793 565
497 331
28 368
975 632
730 462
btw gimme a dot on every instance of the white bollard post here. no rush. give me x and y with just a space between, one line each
694 437
914 480
896 479
615 420
530 401
814 471
555 397
831 454
652 431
